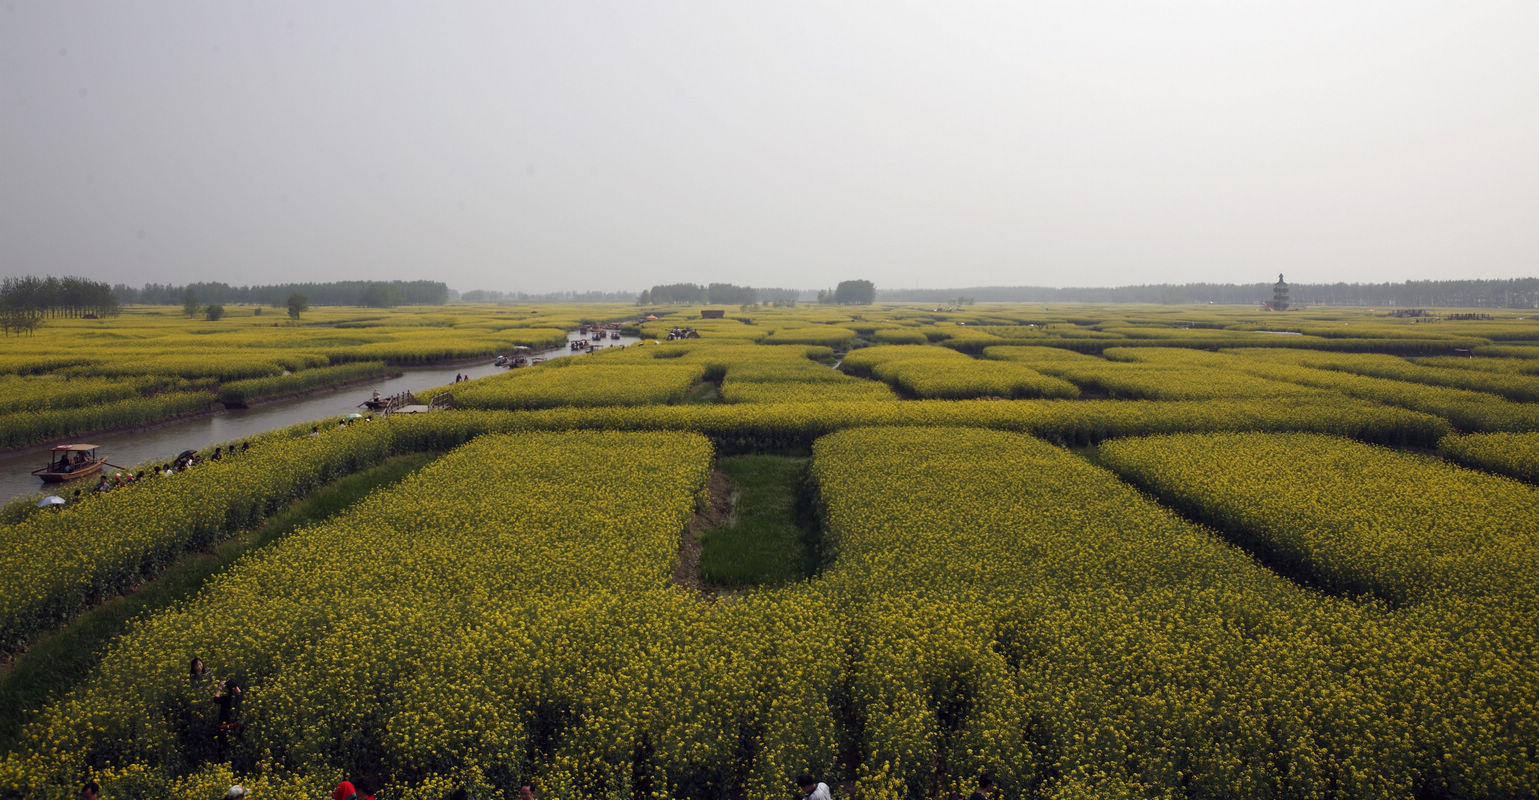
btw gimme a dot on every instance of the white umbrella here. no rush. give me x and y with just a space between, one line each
50 500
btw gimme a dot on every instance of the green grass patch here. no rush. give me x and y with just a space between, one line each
769 538
56 657
703 392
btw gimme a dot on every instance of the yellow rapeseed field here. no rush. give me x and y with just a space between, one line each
1242 589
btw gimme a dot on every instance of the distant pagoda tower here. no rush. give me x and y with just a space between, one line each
1280 295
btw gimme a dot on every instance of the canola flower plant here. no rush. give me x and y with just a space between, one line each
1467 409
513 628
60 563
428 574
1148 658
814 391
1513 454
583 384
939 373
1347 516
1516 387
989 602
23 427
1451 549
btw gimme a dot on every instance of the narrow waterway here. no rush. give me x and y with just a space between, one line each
162 442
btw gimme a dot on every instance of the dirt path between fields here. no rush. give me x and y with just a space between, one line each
720 498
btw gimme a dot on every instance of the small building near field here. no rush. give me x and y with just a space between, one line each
712 313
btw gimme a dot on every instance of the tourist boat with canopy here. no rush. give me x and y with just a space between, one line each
67 462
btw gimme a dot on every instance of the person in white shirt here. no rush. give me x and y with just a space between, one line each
811 788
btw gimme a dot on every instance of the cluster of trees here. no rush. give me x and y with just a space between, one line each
488 296
25 301
1514 293
856 292
214 312
375 294
695 294
785 297
849 293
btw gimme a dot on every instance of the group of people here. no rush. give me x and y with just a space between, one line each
346 790
814 789
71 461
525 792
190 458
227 697
362 789
181 463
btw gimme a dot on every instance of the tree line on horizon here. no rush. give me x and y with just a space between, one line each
372 294
852 292
714 293
22 298
1477 293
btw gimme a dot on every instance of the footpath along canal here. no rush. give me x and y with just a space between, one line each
161 442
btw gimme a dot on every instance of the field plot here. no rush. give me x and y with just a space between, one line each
1453 550
1297 560
583 385
390 600
938 373
1347 516
1515 454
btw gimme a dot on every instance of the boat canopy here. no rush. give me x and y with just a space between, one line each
74 447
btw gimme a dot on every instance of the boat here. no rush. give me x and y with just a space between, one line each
67 462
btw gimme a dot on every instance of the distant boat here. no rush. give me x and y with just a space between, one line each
67 462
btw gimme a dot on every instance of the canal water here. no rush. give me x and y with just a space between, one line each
162 442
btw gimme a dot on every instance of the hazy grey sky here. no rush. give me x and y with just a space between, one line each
574 145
